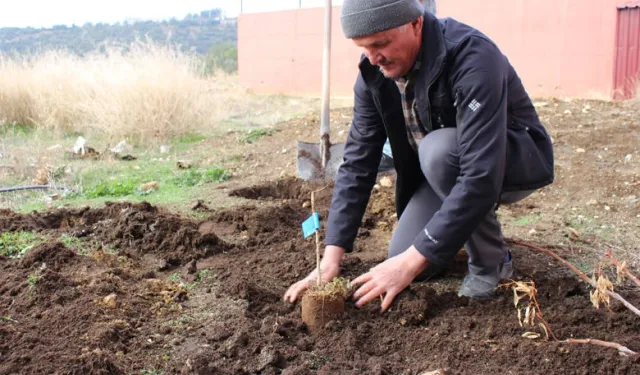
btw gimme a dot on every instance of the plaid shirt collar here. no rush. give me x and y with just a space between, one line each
406 86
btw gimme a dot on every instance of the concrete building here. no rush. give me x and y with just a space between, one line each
561 48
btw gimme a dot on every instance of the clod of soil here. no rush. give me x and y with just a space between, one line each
320 308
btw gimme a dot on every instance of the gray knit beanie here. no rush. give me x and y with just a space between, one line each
366 17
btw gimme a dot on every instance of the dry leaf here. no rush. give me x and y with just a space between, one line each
531 335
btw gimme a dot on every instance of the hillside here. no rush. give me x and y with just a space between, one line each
196 33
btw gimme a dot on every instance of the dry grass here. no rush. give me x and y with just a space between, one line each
149 93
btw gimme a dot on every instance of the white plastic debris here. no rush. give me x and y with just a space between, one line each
79 146
120 147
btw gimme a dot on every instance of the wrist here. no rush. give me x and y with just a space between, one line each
415 261
333 255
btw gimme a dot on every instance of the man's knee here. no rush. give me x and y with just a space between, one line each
437 147
439 161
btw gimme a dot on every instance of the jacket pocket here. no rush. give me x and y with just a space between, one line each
443 112
529 158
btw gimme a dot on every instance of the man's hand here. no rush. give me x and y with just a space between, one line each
330 266
389 278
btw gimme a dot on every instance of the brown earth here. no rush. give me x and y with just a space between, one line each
152 292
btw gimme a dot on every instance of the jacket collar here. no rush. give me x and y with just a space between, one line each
433 55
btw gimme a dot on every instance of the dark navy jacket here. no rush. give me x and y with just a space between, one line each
467 83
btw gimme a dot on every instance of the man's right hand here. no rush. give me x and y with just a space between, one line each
330 266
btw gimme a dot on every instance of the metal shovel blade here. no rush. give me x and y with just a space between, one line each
309 161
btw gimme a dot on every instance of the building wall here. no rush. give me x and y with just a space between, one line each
559 47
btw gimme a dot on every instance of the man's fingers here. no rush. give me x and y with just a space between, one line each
388 299
365 277
373 294
364 289
295 290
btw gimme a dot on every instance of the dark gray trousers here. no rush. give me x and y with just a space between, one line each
439 162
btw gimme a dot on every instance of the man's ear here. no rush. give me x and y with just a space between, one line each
416 25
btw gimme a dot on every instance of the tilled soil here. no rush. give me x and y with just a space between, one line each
169 316
146 291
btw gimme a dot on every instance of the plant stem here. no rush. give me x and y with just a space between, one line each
581 274
313 209
617 263
621 349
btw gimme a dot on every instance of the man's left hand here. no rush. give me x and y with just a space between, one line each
389 278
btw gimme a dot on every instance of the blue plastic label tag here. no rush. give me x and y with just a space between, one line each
311 225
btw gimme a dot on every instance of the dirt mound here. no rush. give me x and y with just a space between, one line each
134 228
56 318
51 254
287 188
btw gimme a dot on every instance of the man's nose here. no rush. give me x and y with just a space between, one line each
373 57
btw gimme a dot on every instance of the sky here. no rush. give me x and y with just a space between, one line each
46 13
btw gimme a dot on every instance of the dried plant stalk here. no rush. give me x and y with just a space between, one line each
581 274
527 291
621 349
622 268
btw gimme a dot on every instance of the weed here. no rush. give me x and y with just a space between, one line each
73 243
34 277
7 319
203 275
175 278
316 362
253 135
16 244
152 371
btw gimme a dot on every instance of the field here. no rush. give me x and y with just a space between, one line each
188 278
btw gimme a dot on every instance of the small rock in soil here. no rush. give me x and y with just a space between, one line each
111 301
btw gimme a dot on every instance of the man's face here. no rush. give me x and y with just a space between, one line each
393 51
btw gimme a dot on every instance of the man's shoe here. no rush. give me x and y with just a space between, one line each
481 283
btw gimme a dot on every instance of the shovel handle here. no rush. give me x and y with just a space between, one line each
326 70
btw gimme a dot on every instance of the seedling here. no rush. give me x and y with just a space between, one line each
322 302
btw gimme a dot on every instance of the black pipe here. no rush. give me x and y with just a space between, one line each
32 187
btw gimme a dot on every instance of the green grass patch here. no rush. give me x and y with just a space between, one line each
74 243
202 276
255 134
16 130
111 189
527 220
233 159
17 244
195 177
